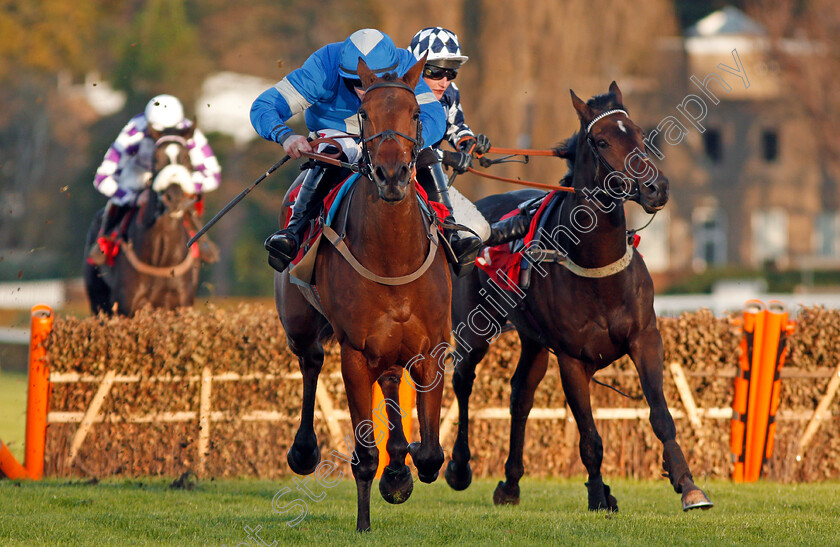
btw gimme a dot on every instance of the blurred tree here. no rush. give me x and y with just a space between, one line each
42 137
162 53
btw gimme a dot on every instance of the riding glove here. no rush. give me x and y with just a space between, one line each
458 161
482 144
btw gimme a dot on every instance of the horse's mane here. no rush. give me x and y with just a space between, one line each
568 149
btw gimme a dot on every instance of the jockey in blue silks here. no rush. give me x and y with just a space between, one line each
327 87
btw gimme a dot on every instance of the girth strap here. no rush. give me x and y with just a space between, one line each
338 242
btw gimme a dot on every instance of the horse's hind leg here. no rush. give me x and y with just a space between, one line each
576 387
303 325
305 454
396 483
533 362
458 472
470 349
647 354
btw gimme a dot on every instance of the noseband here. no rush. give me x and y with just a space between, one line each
390 134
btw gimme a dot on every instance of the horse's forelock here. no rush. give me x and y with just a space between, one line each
605 101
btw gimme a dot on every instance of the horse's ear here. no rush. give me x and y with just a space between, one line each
413 75
154 134
190 131
583 110
365 74
617 92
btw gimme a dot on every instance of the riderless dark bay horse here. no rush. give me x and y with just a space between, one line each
590 302
385 290
153 266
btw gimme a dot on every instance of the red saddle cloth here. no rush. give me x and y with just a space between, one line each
503 266
110 244
330 201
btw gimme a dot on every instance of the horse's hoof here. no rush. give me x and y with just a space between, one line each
504 495
427 469
456 479
600 498
303 465
427 478
396 485
696 499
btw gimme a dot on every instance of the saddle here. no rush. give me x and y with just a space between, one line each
333 202
109 244
509 265
302 268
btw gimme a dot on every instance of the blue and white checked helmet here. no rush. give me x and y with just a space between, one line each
374 47
442 45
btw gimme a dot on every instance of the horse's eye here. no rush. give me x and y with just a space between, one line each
363 114
603 144
416 116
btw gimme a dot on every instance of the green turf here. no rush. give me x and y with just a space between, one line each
148 512
13 411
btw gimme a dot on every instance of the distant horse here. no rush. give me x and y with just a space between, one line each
389 311
153 266
589 309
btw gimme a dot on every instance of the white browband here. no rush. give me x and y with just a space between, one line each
604 115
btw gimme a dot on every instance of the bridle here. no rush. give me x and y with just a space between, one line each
603 161
164 199
389 134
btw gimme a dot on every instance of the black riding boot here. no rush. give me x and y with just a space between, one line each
507 230
283 246
465 246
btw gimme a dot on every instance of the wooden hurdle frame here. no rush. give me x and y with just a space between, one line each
326 410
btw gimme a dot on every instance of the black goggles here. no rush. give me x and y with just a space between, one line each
436 73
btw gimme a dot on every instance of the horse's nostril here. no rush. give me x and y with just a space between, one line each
380 173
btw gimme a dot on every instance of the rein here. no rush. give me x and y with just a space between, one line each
524 182
520 152
157 271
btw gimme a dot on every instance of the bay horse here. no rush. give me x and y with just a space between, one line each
590 302
385 326
153 266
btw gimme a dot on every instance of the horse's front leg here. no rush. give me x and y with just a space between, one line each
358 384
576 387
396 483
648 356
427 375
533 362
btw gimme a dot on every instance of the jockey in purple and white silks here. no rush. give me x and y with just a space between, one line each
327 87
127 166
126 169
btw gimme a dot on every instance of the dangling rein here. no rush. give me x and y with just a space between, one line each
523 152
